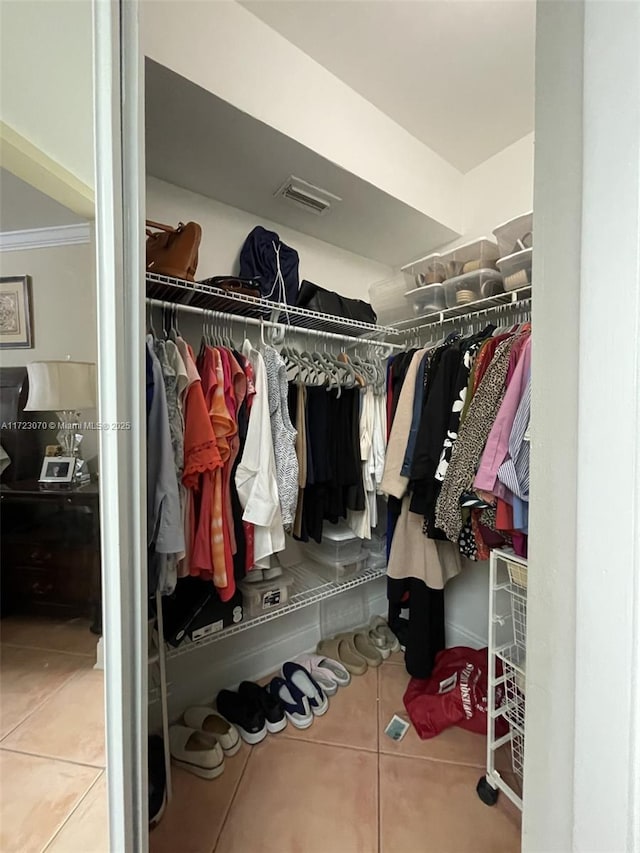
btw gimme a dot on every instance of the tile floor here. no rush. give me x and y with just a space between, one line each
52 758
342 786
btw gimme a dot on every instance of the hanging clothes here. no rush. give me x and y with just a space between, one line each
256 472
165 533
283 435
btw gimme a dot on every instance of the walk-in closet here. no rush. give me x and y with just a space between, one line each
328 372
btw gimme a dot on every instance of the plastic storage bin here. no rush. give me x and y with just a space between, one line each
386 298
464 289
477 255
264 596
333 570
427 299
516 269
429 270
515 235
339 544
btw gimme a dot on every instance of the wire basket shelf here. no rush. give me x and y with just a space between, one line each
207 297
307 588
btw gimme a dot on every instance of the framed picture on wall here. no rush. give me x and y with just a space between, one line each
15 312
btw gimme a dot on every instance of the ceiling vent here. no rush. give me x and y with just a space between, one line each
304 195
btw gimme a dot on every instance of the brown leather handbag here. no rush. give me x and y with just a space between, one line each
173 251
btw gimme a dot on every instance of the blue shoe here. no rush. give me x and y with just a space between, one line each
294 702
302 680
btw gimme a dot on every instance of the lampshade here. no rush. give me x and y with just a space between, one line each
56 386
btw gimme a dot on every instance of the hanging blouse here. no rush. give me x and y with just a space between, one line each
283 435
256 472
471 440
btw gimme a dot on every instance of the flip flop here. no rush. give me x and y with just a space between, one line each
342 649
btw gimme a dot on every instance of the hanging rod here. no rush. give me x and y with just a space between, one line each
269 324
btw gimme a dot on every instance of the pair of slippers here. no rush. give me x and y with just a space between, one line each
362 648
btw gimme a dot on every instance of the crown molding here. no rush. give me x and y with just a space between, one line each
44 238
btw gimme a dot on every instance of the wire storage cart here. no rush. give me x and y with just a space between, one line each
507 667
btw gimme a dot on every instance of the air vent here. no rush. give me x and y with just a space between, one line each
312 199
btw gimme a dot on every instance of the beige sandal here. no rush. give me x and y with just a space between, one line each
363 646
343 650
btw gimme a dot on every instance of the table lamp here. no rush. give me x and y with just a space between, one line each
65 387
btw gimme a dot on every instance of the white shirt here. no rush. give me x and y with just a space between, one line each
256 473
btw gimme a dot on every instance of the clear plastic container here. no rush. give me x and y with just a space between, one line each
511 234
339 544
516 269
427 299
332 570
386 298
482 254
429 270
263 596
471 286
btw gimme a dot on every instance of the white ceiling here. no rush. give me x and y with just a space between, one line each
23 207
457 74
214 149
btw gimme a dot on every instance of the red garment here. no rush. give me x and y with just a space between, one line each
201 459
454 695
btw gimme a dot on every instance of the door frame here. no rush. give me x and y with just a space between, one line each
119 174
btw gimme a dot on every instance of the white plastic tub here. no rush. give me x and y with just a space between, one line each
508 235
339 544
464 289
516 269
333 570
427 299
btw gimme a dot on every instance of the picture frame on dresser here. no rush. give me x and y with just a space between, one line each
16 330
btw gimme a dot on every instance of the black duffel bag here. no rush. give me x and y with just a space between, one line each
316 298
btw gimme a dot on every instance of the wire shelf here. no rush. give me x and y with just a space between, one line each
308 588
207 297
515 299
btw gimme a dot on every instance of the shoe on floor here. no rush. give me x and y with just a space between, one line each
383 635
196 751
364 646
330 674
269 704
157 779
245 714
343 651
297 675
206 720
293 700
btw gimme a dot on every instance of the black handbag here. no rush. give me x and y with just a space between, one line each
316 298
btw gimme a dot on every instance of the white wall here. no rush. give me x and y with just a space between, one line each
46 78
225 49
499 189
63 282
225 228
548 783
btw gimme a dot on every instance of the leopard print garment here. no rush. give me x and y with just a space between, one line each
472 438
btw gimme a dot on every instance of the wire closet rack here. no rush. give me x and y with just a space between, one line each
204 296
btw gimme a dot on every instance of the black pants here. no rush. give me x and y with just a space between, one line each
426 622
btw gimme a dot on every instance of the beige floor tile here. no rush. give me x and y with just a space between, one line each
454 744
193 819
88 827
303 797
434 808
28 677
69 635
396 657
69 725
351 719
37 795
